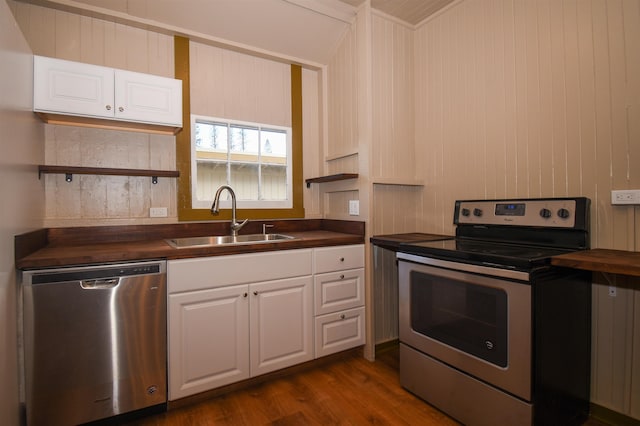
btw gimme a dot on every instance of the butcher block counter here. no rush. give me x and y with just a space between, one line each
602 260
55 247
393 241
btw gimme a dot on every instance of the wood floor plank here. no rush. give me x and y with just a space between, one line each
348 392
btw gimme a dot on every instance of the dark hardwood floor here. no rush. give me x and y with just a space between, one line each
349 391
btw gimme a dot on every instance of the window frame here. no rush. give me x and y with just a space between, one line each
183 150
248 204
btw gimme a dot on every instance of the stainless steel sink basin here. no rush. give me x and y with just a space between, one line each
217 240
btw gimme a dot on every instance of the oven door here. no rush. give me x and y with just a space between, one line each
477 324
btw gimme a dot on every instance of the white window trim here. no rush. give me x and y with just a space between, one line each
240 204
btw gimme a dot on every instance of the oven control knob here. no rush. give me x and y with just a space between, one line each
477 212
546 213
563 213
465 212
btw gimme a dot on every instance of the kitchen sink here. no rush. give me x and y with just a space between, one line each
217 240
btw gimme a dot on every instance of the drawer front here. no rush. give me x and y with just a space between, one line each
337 291
339 331
329 259
220 271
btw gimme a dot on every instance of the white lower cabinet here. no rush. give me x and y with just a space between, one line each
221 333
339 331
339 299
240 316
209 339
281 327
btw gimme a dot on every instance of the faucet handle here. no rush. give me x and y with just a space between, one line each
235 226
265 226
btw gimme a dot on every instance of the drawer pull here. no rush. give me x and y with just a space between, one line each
342 259
342 316
245 294
108 107
342 276
121 109
255 293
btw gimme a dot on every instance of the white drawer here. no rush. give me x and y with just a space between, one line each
339 331
329 259
219 271
337 291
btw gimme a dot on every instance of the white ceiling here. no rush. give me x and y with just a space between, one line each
305 31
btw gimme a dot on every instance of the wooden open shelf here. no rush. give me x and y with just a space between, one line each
331 178
69 171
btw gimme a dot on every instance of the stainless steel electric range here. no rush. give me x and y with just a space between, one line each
490 332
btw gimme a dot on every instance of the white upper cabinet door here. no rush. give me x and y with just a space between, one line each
148 98
73 88
83 90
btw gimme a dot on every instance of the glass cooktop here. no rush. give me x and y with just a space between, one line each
474 251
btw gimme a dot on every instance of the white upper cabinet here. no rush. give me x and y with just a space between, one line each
84 90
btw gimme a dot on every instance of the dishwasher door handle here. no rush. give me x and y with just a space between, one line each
100 283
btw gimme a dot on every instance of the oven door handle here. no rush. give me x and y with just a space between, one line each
465 267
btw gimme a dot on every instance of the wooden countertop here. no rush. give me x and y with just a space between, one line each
393 241
78 246
602 260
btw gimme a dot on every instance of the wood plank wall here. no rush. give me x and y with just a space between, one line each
220 78
519 98
90 200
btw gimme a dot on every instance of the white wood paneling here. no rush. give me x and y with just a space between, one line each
237 86
530 99
518 98
342 99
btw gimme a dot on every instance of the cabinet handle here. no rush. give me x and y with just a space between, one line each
245 294
342 259
255 293
121 109
342 276
108 107
342 316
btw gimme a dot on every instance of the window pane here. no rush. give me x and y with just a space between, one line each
274 182
211 175
211 136
244 181
273 146
244 140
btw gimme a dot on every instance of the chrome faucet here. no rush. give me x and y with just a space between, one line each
215 209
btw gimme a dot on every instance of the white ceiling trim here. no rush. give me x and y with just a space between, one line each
163 28
336 10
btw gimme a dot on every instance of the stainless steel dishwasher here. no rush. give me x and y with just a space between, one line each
94 341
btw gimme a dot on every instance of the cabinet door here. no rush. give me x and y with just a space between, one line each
337 291
208 339
73 88
281 324
148 98
339 331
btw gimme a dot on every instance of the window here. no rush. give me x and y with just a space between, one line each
253 158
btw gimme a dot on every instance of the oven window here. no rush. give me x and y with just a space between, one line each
471 318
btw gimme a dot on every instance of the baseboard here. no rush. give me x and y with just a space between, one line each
611 417
386 346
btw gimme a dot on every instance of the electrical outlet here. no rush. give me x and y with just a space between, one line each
613 291
354 207
627 196
158 212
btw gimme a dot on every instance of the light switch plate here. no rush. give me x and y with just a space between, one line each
354 207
